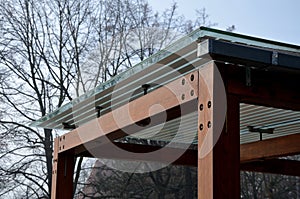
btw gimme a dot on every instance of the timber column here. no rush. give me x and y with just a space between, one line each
218 137
63 170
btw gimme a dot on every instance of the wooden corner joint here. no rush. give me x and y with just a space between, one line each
186 87
205 102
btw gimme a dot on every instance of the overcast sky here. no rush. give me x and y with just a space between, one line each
276 19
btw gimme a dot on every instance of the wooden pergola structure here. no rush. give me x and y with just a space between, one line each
198 77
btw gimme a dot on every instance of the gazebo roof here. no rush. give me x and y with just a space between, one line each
182 57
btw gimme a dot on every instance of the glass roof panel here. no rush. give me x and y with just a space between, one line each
94 97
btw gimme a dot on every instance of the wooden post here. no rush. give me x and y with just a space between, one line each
218 142
54 169
62 176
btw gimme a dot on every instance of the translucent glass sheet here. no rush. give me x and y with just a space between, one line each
82 109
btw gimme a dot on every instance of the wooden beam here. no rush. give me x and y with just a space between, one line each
218 145
118 122
99 143
251 152
188 157
278 89
274 166
270 148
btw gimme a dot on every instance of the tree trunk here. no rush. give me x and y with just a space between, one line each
48 144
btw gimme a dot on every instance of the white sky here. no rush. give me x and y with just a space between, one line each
276 20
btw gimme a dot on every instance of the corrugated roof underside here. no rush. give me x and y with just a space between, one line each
184 130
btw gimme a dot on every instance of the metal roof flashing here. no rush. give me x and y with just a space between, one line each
248 40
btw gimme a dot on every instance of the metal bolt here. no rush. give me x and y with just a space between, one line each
192 77
201 127
183 81
209 104
192 92
208 124
201 107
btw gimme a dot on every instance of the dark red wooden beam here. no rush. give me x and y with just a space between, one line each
271 148
274 166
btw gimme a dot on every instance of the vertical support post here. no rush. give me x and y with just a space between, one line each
63 170
54 169
218 141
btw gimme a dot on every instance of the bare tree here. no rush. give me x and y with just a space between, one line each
51 52
127 32
262 185
169 182
41 48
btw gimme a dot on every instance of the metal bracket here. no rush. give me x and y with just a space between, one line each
145 88
248 77
275 58
68 126
98 109
260 131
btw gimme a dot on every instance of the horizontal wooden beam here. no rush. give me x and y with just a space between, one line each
270 148
274 166
270 88
131 117
250 152
138 152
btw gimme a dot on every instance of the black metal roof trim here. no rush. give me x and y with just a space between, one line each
246 55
